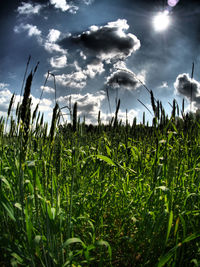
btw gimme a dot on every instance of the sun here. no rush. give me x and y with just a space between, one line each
161 21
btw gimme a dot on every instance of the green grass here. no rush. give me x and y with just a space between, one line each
116 195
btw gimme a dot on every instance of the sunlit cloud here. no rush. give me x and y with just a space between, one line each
186 86
64 6
5 97
123 79
109 42
78 78
50 44
29 8
58 62
53 35
31 29
88 105
3 85
94 68
47 89
75 79
52 47
164 85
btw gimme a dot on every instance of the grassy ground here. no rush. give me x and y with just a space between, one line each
116 195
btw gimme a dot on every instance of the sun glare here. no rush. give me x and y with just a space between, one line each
161 21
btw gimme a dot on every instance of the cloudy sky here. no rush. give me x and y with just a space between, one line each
97 49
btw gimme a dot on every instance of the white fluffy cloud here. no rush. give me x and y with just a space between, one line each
47 89
164 85
64 6
88 104
5 96
53 35
46 105
3 85
52 47
75 79
93 69
31 29
50 44
131 114
29 8
78 78
58 62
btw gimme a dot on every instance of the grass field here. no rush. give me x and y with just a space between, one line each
105 195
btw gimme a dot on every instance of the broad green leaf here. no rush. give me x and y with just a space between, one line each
17 257
191 237
9 210
5 181
106 159
165 258
28 225
73 240
108 150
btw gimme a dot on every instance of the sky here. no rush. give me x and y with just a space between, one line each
92 51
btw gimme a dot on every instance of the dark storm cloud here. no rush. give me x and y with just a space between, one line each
108 42
184 84
123 79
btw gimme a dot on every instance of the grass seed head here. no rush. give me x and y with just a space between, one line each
75 117
11 104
